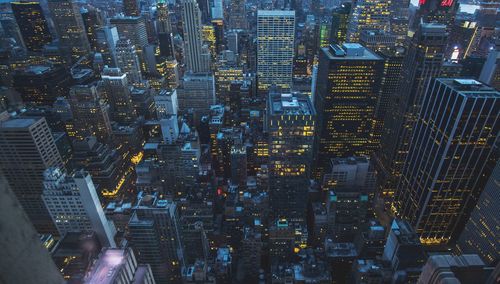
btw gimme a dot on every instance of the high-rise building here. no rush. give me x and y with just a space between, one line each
368 15
164 30
197 93
27 149
11 29
133 28
32 24
275 49
237 15
346 102
131 8
449 158
40 85
128 61
90 113
69 25
436 11
290 122
194 58
423 61
20 244
114 86
154 236
483 227
490 73
340 21
74 206
400 20
119 266
93 20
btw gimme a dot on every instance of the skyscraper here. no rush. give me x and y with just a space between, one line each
449 158
90 113
114 86
133 28
275 49
70 28
128 61
290 122
346 101
74 206
481 231
154 236
368 15
193 54
164 30
237 15
27 149
423 61
340 17
131 8
32 23
436 11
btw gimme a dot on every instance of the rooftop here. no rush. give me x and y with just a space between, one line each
18 123
107 266
350 51
290 104
288 13
471 88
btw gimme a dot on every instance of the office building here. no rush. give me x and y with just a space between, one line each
32 24
128 61
74 206
423 62
237 15
195 59
290 122
133 28
239 166
346 102
154 236
114 86
40 85
166 104
400 20
275 49
462 149
481 231
90 113
27 149
368 15
197 92
164 30
490 73
117 266
20 244
340 20
132 8
467 268
70 28
436 11
377 40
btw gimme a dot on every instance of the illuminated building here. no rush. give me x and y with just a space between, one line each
482 229
404 251
423 61
40 85
346 102
133 28
239 166
27 149
275 49
93 20
154 236
131 8
400 20
225 73
237 15
460 40
290 122
90 113
456 129
164 30
114 87
208 34
70 28
118 266
377 40
105 165
195 59
127 61
436 11
368 15
32 24
106 38
340 20
19 235
74 206
166 103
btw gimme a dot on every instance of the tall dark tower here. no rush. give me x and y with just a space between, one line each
450 158
340 17
164 29
422 62
131 8
436 11
32 23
